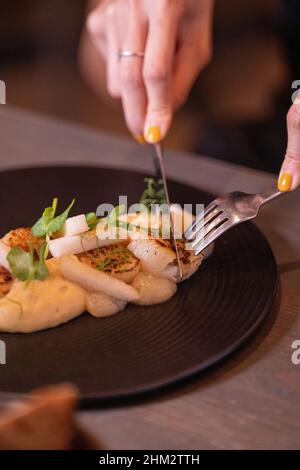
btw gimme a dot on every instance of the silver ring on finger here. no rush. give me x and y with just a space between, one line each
127 53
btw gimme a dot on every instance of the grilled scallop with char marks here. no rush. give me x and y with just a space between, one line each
6 281
23 238
115 260
158 257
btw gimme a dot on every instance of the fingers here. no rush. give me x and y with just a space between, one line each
157 73
133 91
112 54
152 87
190 60
95 27
193 54
289 177
101 24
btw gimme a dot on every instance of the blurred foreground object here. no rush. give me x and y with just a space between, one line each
44 421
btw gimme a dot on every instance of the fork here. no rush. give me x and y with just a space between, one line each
224 213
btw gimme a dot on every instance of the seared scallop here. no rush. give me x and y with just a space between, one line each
115 260
158 257
22 238
6 281
189 261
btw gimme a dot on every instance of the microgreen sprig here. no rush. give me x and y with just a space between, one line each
25 267
154 193
118 254
48 223
92 220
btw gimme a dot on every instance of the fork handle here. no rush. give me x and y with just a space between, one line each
267 196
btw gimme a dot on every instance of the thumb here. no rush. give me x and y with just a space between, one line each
289 177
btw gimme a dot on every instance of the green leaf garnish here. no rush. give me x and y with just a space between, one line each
20 263
92 220
102 264
58 222
48 223
154 193
24 266
41 271
117 255
40 227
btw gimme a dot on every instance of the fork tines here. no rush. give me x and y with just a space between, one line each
207 227
223 213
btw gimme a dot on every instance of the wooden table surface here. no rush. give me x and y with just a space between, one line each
252 400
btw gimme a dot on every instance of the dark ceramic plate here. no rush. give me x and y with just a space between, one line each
142 348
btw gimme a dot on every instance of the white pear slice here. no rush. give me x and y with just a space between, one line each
77 244
96 281
74 226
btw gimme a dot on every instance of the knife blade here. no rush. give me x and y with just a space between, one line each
160 174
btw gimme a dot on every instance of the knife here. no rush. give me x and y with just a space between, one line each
158 159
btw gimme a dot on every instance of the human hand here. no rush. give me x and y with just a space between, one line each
176 38
289 177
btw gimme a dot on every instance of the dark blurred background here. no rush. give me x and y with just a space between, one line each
236 110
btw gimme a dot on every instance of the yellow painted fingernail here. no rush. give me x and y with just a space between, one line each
140 139
285 182
153 135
